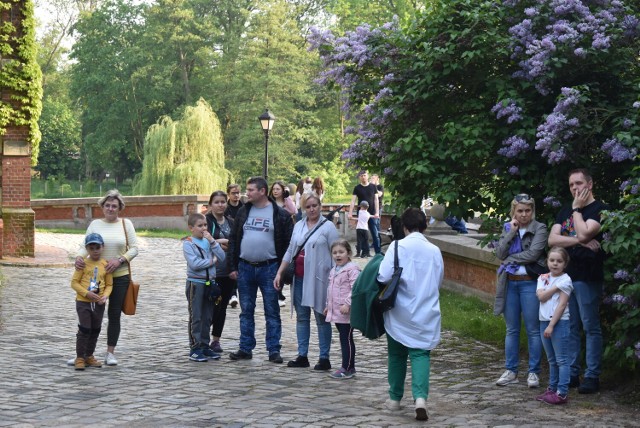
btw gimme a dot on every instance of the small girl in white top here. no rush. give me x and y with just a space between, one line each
553 291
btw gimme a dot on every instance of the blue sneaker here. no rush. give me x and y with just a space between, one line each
210 354
197 355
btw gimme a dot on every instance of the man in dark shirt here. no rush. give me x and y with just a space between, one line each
577 229
366 191
233 203
375 179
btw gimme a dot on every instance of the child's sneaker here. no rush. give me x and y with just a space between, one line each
210 354
91 361
342 374
233 302
197 355
555 398
544 394
215 347
79 363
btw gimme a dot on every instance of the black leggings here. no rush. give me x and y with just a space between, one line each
116 299
347 346
227 286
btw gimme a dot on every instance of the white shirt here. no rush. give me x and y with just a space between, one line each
415 319
564 284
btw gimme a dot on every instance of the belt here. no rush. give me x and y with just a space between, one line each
260 264
520 277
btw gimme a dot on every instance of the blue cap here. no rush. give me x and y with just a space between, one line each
93 238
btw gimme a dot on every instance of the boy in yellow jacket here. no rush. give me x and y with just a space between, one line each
93 286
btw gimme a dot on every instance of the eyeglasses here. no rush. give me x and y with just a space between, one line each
234 193
522 197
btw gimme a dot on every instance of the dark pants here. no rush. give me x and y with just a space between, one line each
227 285
200 313
116 299
347 346
89 325
362 245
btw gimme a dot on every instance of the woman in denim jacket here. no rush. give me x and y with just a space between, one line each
521 250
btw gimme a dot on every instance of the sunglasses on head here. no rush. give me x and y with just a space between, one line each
522 197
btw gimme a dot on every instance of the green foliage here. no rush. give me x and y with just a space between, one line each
622 244
185 156
21 75
61 140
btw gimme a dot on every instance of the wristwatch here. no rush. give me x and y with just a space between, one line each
122 260
577 210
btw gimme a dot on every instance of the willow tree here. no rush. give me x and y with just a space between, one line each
184 156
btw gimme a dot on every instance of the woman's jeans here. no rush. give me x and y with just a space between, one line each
557 347
522 300
116 300
303 324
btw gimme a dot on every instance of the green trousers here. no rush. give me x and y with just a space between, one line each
397 363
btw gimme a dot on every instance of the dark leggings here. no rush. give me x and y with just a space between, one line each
220 310
347 346
116 299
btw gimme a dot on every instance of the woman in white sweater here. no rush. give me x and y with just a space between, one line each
118 254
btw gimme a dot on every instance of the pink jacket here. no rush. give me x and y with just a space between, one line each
339 292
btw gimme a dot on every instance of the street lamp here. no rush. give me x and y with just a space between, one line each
266 121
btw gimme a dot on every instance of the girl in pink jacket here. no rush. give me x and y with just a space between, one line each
341 279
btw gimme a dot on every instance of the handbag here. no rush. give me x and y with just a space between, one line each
131 297
388 294
287 276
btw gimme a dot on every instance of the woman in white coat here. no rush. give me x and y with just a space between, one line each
309 289
413 325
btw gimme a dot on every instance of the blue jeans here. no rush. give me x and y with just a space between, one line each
250 278
557 348
584 307
522 300
303 324
374 228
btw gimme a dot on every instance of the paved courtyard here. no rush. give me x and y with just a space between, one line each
156 385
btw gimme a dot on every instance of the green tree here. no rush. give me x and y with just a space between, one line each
60 145
184 156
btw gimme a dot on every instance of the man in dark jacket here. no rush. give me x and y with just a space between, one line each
258 241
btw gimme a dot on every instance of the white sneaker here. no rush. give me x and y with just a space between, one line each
533 380
281 303
110 359
421 409
71 362
392 405
507 377
233 302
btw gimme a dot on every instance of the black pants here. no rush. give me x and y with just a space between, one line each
227 285
362 247
89 325
347 346
116 299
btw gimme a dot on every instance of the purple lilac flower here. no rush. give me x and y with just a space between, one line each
622 275
636 104
514 170
558 127
620 299
618 344
618 151
580 53
627 123
513 146
606 237
507 108
630 26
634 189
637 348
552 201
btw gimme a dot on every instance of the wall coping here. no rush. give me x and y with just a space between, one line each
465 247
133 200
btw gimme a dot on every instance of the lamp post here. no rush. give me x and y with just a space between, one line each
266 121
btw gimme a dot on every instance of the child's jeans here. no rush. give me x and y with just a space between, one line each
200 314
347 346
89 326
362 246
557 348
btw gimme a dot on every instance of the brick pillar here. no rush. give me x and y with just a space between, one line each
18 219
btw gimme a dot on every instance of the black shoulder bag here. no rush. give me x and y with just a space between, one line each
387 296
